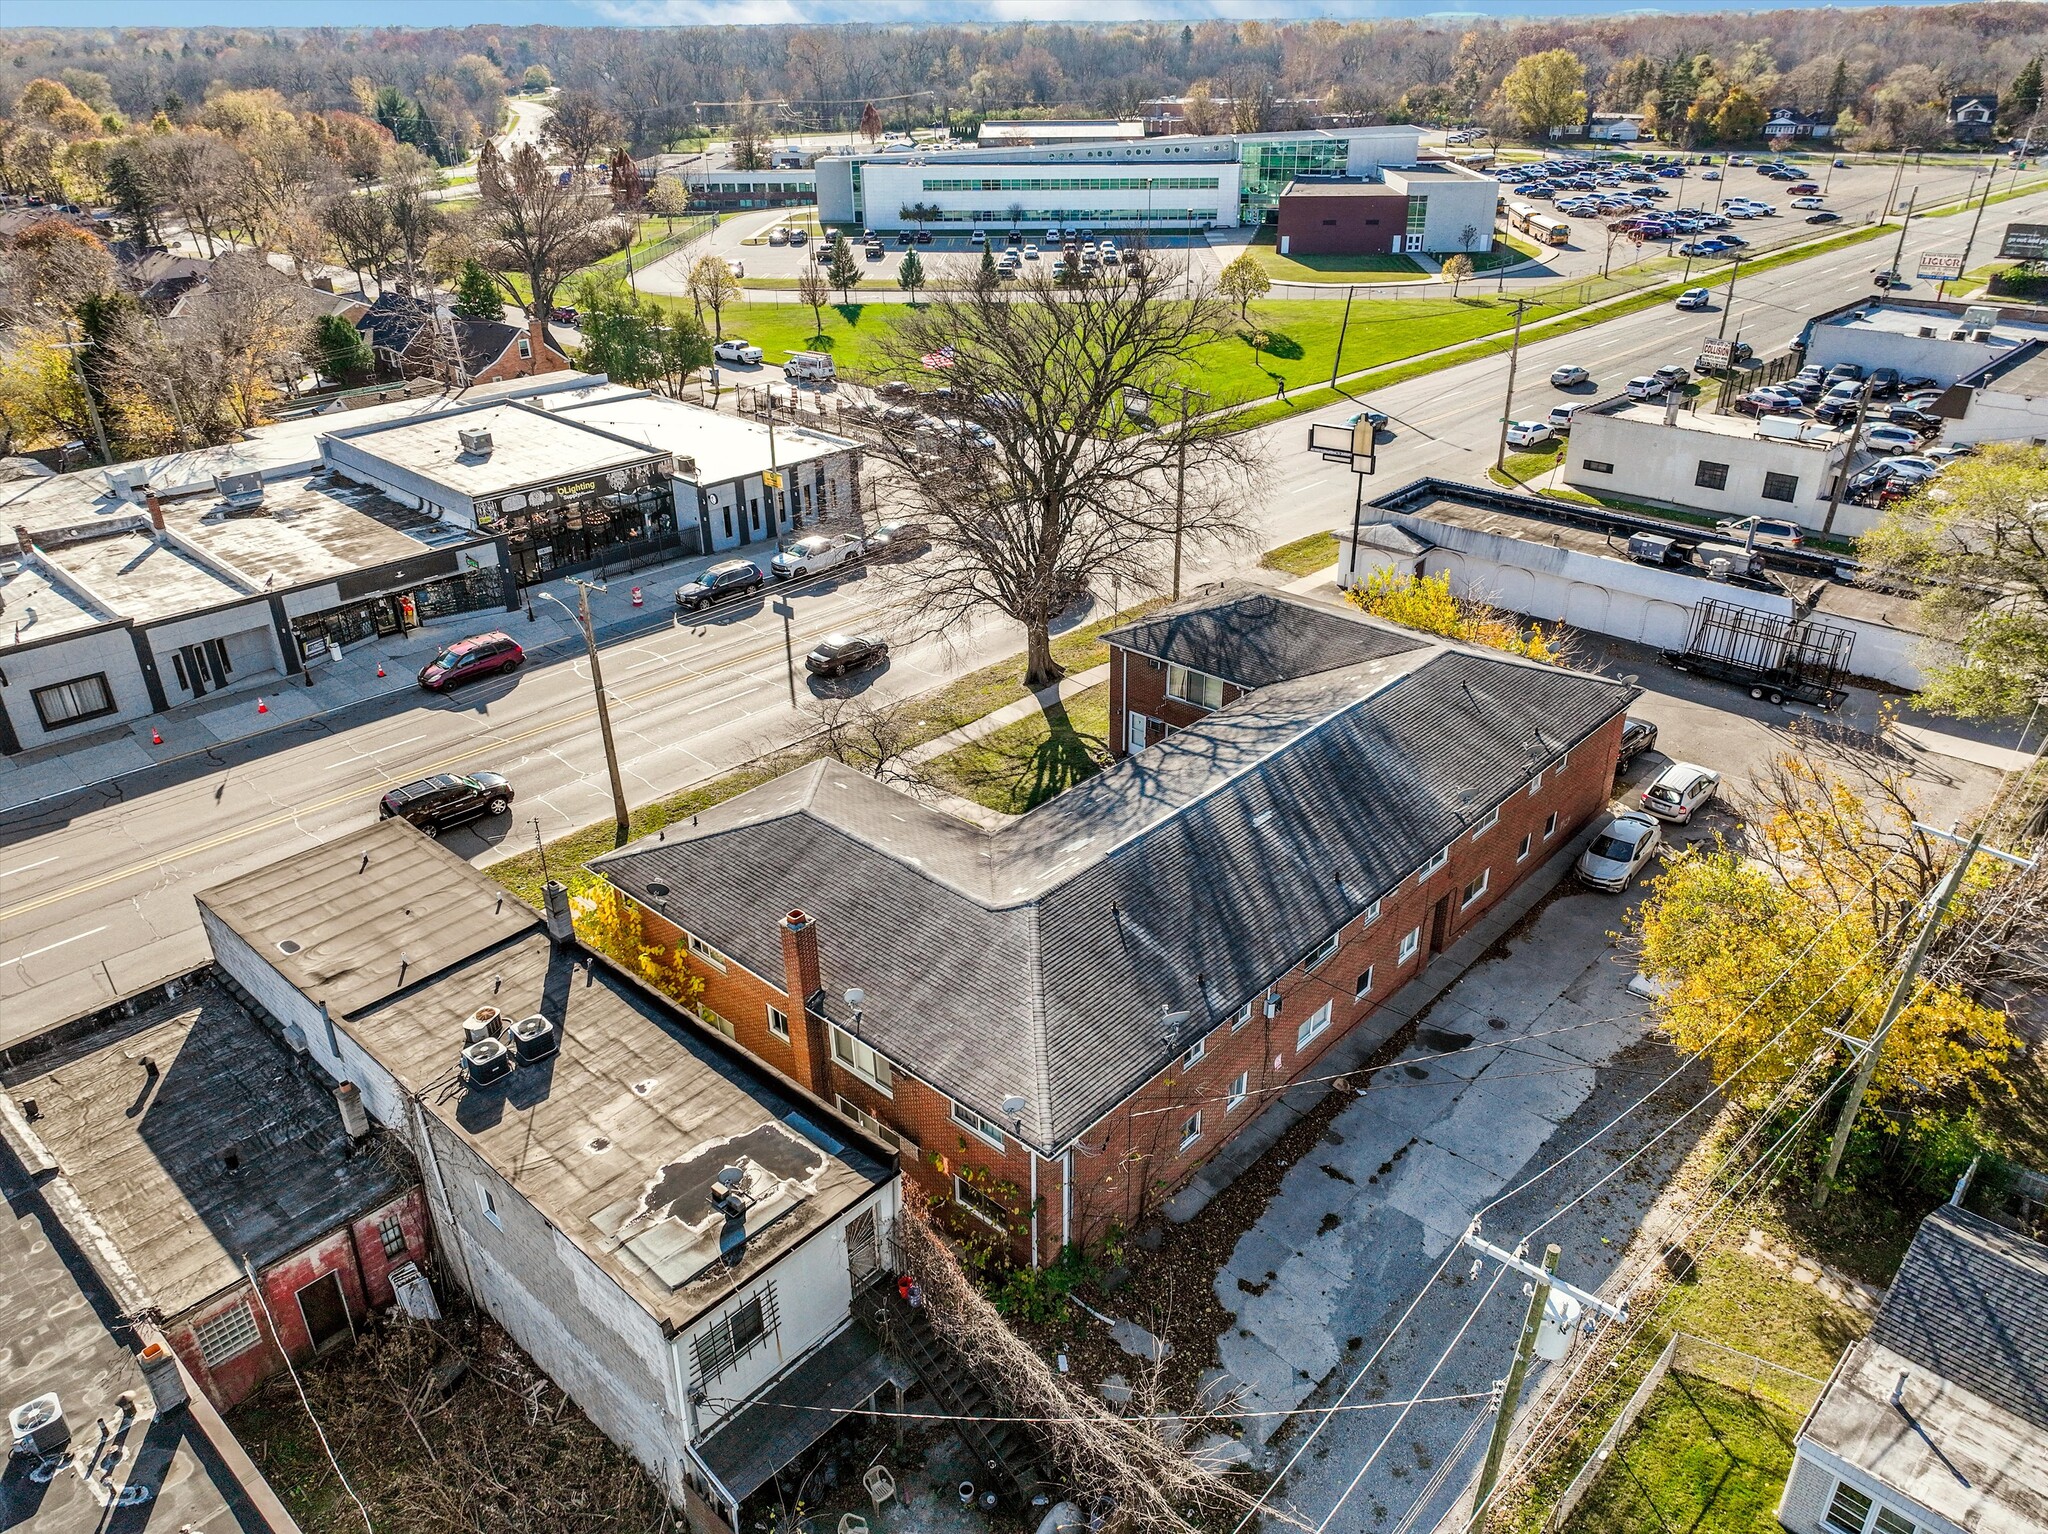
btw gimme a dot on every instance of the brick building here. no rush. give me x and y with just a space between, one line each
191 1142
1058 1021
1342 218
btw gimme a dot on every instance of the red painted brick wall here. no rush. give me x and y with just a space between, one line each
1370 225
354 1253
1137 684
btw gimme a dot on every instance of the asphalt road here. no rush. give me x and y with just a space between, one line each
95 888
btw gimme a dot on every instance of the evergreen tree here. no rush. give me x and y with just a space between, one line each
344 355
910 275
1838 90
132 196
843 270
2023 96
476 293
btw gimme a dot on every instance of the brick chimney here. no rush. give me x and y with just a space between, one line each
156 509
802 980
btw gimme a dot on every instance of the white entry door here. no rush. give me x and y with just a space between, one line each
1135 727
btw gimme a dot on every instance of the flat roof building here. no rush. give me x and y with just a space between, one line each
1026 133
1435 205
1169 182
1948 342
663 1223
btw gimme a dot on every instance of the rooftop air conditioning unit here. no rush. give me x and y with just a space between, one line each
475 439
1649 548
38 1427
1957 335
534 1038
1980 335
485 1061
242 494
129 481
483 1023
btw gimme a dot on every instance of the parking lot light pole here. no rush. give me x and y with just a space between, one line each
581 614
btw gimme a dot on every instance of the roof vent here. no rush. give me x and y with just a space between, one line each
476 440
242 494
1927 332
729 1194
485 1061
534 1038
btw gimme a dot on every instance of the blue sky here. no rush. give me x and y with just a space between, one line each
420 13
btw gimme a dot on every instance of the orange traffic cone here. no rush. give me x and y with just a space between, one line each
155 738
380 670
262 707
637 599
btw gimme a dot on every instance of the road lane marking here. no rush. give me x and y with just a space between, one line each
389 745
48 947
38 863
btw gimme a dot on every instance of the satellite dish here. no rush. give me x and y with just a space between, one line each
1015 1106
856 998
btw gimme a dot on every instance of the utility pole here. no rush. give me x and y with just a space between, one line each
1337 362
1507 408
71 350
1899 250
787 613
1728 299
1511 1389
1891 198
581 613
1866 1063
1978 217
1848 456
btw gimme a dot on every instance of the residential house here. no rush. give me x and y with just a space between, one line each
675 1233
1973 118
1936 1422
1790 122
1616 127
159 278
413 339
1061 1018
215 1174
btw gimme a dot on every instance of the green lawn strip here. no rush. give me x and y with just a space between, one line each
1967 204
1508 250
1518 469
960 702
1304 556
1024 764
1338 269
1702 1457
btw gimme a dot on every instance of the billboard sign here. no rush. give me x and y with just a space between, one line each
1717 352
2025 242
1943 265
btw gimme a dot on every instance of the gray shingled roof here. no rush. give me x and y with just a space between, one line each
1971 1303
1255 637
1038 959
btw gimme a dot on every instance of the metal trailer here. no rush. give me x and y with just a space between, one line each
1775 656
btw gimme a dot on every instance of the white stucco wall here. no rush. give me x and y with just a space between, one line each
108 650
1659 463
1995 416
1915 356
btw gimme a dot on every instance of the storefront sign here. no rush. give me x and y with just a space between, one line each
1944 266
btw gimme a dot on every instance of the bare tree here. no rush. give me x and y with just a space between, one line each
713 286
1050 481
813 288
580 128
539 226
871 737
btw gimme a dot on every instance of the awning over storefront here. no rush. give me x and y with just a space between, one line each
797 1409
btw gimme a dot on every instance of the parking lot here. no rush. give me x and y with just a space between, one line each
949 255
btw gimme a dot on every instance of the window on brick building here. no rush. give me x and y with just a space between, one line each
1326 951
986 1129
1492 819
1313 1026
706 952
1194 1055
1410 941
1240 1089
862 1061
1562 763
228 1335
1476 887
713 1020
778 1022
978 1203
1364 987
488 1202
1244 1015
1522 851
1849 1511
1443 856
392 1235
1196 687
1191 1129
1370 914
1550 826
877 1128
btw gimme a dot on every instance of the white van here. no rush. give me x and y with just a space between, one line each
809 367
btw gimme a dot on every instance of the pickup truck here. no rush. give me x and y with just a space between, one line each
815 553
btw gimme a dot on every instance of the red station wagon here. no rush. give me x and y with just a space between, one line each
466 660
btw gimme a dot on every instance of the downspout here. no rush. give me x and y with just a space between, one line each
1034 1204
1067 1197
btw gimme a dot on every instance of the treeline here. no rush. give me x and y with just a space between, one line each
662 83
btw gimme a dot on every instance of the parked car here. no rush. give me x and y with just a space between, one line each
1917 419
1824 217
1888 438
562 314
1769 400
897 540
1884 382
1673 375
778 235
1772 531
1647 386
817 553
1560 418
1530 434
721 583
1695 298
838 654
1679 792
1637 736
1620 852
1808 202
467 660
733 349
447 800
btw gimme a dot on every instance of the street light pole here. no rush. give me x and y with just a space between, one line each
1899 251
1989 176
581 613
1180 482
1507 408
1511 1389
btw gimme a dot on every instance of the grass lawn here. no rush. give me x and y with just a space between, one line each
1304 556
1701 1458
1026 763
960 702
1338 269
1517 469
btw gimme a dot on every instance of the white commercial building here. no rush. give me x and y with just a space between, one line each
1727 465
1949 343
1171 182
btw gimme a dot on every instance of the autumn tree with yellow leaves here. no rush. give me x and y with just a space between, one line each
1426 602
610 923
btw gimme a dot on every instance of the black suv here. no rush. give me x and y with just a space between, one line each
721 583
447 800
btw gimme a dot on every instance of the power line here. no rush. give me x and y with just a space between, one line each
1183 1417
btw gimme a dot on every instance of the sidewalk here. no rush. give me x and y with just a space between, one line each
352 681
1024 708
